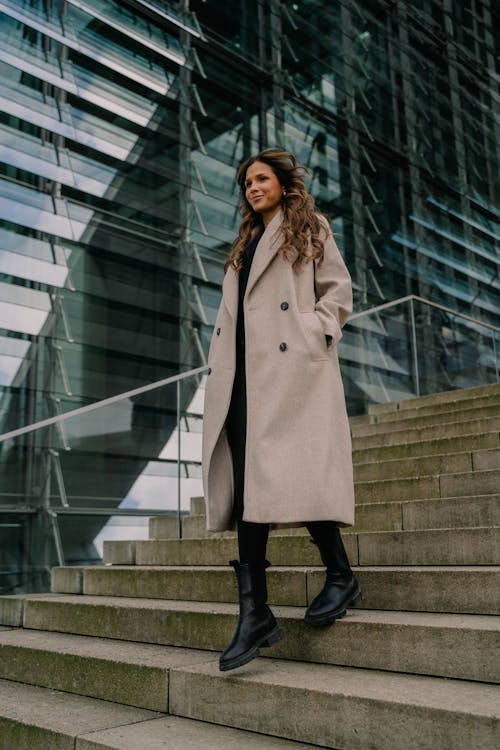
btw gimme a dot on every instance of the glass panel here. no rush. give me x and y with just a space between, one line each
412 349
15 568
102 473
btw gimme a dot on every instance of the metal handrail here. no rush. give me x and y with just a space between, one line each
415 298
98 404
177 378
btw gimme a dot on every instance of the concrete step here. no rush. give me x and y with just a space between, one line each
176 733
441 447
197 506
446 513
458 484
450 463
476 482
341 707
471 546
458 646
406 423
132 674
34 718
422 410
195 527
466 546
434 399
426 589
383 437
483 510
281 550
428 513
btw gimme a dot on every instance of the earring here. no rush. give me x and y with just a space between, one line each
284 191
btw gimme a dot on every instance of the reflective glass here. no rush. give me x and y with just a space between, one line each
122 126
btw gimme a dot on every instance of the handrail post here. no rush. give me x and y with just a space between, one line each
414 348
493 336
179 524
56 534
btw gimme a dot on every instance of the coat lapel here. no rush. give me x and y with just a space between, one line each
230 291
267 248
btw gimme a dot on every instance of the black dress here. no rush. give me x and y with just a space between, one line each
236 421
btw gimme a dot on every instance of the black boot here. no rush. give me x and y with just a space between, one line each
341 588
256 624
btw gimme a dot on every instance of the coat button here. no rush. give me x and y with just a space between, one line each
209 371
283 347
218 331
284 305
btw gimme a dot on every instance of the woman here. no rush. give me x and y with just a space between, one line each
276 441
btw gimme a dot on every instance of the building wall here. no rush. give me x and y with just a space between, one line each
122 124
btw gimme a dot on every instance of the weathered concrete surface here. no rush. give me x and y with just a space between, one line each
164 527
133 674
457 589
285 550
377 516
449 513
67 579
459 646
33 718
486 459
405 421
211 584
12 608
197 506
444 397
407 488
138 620
339 707
176 733
470 483
383 437
392 416
421 410
119 552
447 645
481 510
194 527
472 546
430 447
418 466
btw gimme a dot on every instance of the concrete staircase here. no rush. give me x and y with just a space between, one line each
125 656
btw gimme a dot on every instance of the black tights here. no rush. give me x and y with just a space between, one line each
252 541
252 538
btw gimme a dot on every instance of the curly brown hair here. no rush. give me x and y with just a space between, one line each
301 224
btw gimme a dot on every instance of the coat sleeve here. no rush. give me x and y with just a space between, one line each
333 289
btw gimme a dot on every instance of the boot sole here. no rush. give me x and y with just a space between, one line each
337 614
267 640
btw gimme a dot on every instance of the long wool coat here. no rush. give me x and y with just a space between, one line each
298 464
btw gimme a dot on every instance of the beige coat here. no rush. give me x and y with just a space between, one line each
298 464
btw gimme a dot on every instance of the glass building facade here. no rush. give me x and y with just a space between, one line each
122 124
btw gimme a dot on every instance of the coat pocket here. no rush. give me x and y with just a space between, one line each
315 336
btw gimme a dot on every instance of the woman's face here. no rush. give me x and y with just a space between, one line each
263 190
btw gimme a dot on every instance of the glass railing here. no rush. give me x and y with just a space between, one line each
412 347
100 471
97 472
